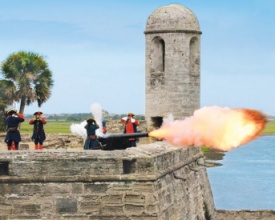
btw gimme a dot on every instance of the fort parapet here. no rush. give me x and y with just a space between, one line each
151 182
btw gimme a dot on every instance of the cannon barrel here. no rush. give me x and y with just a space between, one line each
124 135
118 141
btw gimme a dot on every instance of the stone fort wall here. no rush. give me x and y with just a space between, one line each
150 182
245 215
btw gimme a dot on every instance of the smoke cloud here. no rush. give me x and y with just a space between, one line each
215 127
78 129
96 113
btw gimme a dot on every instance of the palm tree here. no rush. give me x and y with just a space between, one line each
29 73
6 91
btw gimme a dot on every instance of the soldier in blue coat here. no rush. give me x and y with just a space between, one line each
91 140
13 135
38 135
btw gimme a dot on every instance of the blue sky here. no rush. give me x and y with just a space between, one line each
96 51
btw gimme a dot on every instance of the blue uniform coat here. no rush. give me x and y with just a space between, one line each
13 122
38 130
91 130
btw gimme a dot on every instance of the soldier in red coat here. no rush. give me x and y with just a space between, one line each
130 127
38 135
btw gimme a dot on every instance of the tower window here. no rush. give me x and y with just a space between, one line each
194 59
158 55
157 121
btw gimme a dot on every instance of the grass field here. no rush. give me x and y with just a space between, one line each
64 127
269 128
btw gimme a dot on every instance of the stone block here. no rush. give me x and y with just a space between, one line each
114 210
90 207
31 208
112 199
152 209
95 188
5 209
66 205
137 198
134 209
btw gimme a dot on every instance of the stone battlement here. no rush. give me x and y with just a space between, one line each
153 181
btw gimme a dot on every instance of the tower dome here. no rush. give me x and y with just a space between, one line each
172 18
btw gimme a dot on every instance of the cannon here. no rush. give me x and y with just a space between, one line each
118 141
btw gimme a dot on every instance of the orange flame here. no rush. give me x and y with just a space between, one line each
215 127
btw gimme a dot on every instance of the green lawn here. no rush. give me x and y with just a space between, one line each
62 127
269 128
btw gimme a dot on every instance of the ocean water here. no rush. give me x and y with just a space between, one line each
246 179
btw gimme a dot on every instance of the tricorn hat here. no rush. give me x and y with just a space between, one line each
38 113
90 120
131 114
11 112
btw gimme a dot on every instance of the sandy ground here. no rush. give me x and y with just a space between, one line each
3 145
25 140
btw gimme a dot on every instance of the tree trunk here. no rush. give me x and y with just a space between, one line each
22 104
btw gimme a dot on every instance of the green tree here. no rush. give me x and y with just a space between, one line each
6 91
29 74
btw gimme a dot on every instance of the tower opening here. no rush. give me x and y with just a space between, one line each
157 121
194 59
158 55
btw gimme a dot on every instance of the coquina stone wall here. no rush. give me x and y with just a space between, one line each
246 215
150 182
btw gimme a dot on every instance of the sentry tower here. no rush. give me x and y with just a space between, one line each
172 64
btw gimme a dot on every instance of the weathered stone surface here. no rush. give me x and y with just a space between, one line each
66 205
167 183
42 184
246 215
